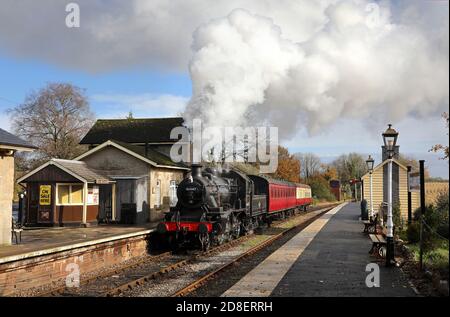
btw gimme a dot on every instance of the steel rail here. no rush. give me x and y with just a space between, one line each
201 281
86 281
141 280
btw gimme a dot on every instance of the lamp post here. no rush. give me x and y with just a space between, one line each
370 161
390 141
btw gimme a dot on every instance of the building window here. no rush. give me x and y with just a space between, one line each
63 194
76 194
69 194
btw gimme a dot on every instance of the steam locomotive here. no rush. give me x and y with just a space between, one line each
215 206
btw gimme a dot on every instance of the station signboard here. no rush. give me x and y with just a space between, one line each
414 181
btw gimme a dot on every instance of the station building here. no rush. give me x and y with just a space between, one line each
9 145
399 185
125 176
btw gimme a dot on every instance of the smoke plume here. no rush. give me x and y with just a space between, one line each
362 63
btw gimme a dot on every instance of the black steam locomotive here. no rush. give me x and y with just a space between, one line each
215 206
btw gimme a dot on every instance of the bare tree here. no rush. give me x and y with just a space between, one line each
54 119
310 165
407 160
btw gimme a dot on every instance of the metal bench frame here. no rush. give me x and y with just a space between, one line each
371 226
16 229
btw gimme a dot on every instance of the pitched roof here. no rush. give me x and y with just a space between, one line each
148 130
77 169
150 156
81 169
7 138
383 163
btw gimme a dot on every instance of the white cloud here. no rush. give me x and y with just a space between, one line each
300 63
361 64
118 34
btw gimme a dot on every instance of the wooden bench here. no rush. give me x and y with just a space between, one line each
16 229
370 226
378 244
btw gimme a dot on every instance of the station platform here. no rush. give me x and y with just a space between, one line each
44 255
327 258
37 242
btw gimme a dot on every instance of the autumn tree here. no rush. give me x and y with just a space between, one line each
54 119
288 166
329 172
440 147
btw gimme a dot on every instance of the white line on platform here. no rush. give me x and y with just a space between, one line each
263 279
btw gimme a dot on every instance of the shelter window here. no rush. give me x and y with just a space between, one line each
69 194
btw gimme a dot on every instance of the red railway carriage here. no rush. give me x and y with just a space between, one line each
282 195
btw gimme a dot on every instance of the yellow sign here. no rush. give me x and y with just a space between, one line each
45 195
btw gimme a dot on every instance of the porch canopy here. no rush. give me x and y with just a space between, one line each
74 186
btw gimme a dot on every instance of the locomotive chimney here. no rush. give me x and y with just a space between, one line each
196 170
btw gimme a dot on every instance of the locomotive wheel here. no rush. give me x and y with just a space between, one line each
382 252
236 227
173 242
204 241
222 238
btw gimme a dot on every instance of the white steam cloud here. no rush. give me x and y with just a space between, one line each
362 63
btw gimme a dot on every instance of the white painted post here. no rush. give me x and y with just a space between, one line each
113 202
360 191
389 224
85 194
371 197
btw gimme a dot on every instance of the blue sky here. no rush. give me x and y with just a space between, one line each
19 76
135 55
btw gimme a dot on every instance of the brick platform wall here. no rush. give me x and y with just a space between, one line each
51 269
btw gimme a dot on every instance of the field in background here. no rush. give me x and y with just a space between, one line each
432 190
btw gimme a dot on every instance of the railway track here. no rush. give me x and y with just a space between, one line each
59 291
169 268
114 282
124 279
202 280
129 287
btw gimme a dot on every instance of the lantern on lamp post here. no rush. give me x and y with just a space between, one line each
390 141
369 162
